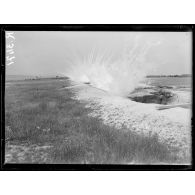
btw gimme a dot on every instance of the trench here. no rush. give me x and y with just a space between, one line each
157 96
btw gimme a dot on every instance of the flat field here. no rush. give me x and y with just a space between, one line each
45 124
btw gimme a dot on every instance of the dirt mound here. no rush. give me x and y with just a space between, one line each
172 126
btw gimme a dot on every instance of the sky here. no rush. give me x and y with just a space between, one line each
49 52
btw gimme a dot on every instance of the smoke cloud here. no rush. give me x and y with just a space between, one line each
119 76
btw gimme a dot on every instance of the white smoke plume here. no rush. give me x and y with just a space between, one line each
119 76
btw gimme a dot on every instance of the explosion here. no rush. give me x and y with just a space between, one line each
118 76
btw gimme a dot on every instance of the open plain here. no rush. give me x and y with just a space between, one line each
59 121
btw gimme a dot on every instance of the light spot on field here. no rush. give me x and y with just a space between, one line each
52 104
26 153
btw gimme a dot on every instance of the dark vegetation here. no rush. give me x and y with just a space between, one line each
38 114
175 75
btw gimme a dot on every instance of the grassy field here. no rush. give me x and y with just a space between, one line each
43 124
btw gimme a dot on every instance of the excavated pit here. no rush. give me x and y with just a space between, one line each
159 95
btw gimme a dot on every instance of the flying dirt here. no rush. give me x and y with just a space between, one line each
118 76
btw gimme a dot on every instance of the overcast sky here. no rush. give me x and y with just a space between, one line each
46 53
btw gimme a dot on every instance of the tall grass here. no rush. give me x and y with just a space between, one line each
74 136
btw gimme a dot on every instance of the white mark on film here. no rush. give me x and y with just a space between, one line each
10 48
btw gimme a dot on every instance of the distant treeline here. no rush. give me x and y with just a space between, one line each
175 75
41 78
31 77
